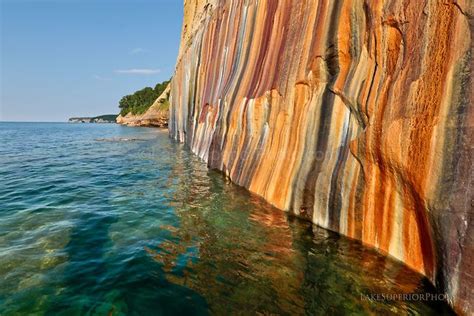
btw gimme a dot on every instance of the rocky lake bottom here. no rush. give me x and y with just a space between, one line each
102 219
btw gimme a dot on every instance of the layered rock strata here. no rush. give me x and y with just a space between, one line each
357 115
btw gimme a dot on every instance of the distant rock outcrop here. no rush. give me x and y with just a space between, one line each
156 116
109 118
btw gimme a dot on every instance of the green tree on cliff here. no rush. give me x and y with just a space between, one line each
141 100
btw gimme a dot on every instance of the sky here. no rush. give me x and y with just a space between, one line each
64 58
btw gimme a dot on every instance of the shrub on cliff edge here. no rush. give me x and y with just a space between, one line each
141 100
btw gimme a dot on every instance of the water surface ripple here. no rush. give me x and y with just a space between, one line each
111 220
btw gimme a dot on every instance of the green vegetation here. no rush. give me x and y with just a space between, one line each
141 100
164 105
107 117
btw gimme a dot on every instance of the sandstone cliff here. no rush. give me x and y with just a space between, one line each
357 115
156 116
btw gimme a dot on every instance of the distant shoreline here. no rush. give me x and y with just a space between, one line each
108 119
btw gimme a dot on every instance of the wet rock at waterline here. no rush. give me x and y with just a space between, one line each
356 115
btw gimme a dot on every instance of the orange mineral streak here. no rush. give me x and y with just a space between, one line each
343 44
353 114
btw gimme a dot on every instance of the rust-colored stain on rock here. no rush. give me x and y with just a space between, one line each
354 114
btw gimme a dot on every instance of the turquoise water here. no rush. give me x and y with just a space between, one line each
112 220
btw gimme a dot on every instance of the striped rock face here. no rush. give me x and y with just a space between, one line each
357 115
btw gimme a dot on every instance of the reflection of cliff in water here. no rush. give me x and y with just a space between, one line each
243 255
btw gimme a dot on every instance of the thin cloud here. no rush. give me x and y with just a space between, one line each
136 71
138 50
100 78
